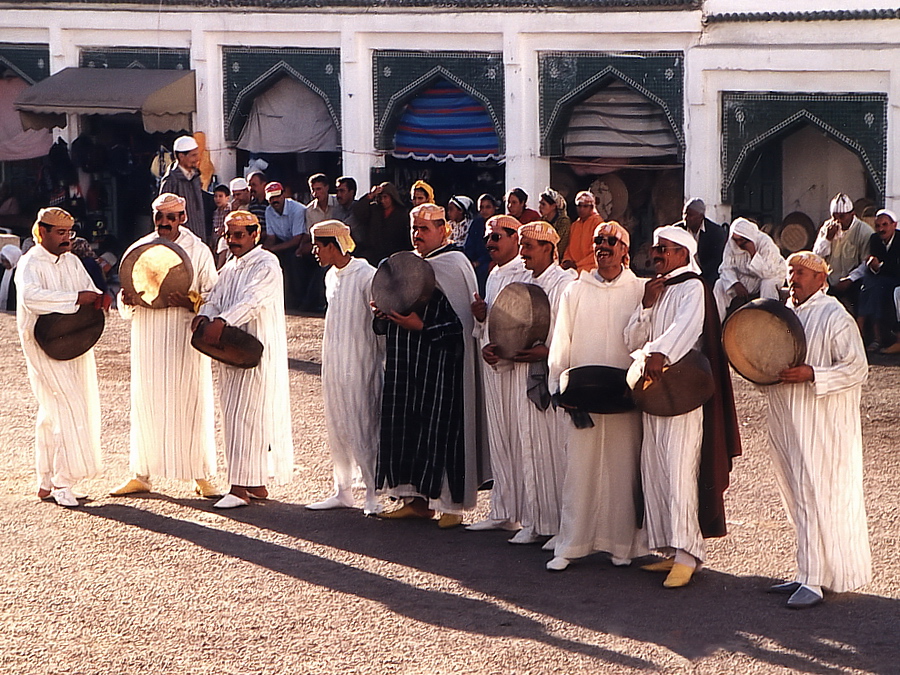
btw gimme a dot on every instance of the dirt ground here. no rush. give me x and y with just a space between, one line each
164 584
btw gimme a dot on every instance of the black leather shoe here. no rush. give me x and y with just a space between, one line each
786 588
804 598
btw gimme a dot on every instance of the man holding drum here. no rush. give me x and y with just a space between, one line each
503 380
172 417
816 442
67 437
249 296
602 489
682 452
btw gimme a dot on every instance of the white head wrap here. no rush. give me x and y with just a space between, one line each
680 236
336 229
887 212
841 204
744 228
11 253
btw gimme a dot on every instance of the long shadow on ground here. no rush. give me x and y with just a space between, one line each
717 612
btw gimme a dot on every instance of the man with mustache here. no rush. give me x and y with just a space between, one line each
183 179
249 295
67 437
679 454
430 444
503 380
602 488
816 442
172 433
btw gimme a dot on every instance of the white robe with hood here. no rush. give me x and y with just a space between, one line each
762 274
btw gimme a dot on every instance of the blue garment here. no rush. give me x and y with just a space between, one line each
289 224
476 251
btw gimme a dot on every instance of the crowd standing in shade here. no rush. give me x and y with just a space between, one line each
426 408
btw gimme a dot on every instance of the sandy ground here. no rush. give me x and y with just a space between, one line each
163 584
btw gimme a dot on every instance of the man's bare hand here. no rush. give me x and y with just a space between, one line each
797 374
479 308
652 290
411 321
740 292
180 300
533 355
88 298
489 356
653 366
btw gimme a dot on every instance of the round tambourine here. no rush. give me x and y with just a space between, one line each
68 336
403 283
519 317
153 270
761 339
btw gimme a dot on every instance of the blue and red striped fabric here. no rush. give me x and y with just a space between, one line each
443 122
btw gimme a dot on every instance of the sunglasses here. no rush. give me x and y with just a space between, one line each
496 236
663 249
609 240
171 217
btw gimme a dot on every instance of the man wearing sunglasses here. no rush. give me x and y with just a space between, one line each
67 437
172 433
501 379
677 310
602 486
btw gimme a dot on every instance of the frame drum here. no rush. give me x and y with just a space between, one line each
519 317
761 339
403 283
153 270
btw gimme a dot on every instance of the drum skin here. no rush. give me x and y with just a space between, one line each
519 317
68 336
403 283
596 389
236 347
684 386
153 270
761 339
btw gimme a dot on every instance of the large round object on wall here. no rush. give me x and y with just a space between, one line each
519 317
761 339
151 271
611 194
68 336
684 386
403 283
797 232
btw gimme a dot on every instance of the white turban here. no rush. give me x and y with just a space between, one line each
841 204
11 253
680 236
744 228
890 214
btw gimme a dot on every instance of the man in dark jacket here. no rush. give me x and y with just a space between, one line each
183 179
710 237
880 276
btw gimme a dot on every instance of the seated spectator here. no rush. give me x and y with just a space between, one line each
752 267
843 243
488 206
9 259
579 254
421 193
880 275
552 206
517 206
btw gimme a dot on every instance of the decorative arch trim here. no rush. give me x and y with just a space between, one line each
750 119
567 78
31 62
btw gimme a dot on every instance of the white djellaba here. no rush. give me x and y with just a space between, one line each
602 486
816 444
67 432
352 374
172 408
258 445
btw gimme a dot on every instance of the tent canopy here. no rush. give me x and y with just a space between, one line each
444 122
165 99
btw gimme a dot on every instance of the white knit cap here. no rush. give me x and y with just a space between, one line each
841 204
185 144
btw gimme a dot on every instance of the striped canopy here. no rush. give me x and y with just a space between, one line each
443 122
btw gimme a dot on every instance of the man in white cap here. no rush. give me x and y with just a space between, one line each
503 379
674 313
67 435
352 366
430 449
880 276
172 416
240 194
816 442
602 488
710 238
248 296
183 179
843 243
579 255
752 266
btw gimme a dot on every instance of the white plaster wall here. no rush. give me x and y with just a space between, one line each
814 169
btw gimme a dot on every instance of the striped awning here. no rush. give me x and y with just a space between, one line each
444 122
618 122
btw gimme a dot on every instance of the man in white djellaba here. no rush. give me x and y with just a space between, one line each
751 265
503 380
250 296
602 488
172 416
67 433
663 329
543 428
816 442
352 367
